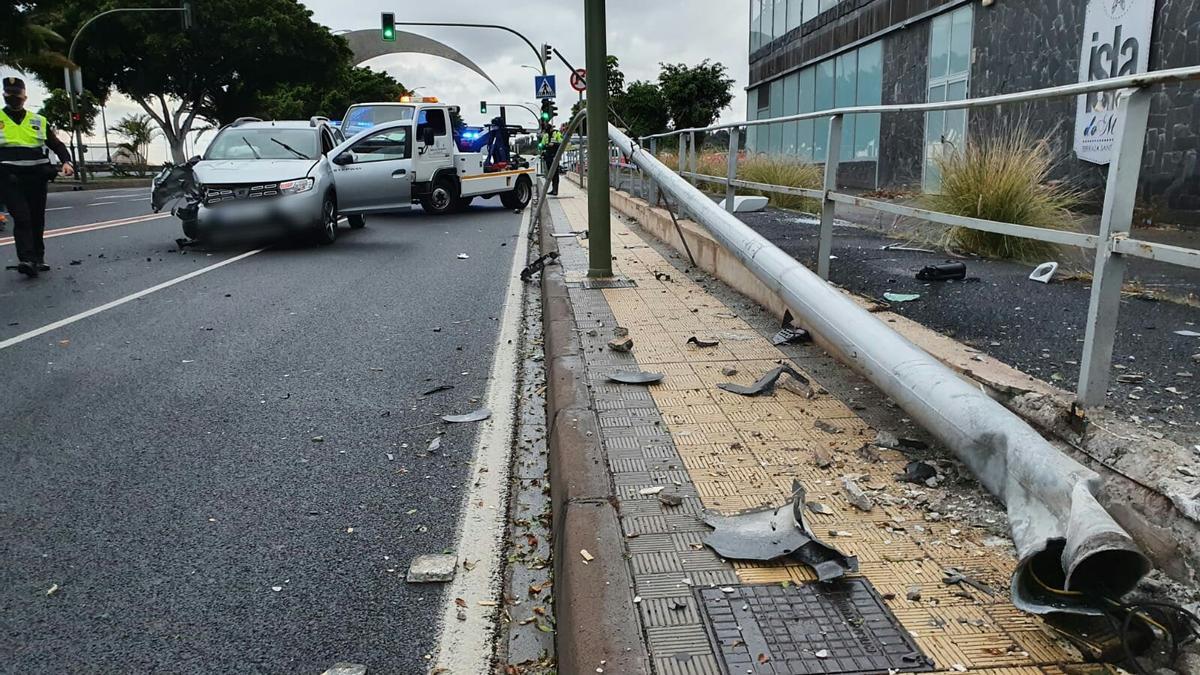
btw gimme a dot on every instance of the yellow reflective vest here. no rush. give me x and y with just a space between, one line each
23 144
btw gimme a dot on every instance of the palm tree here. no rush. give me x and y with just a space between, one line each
138 131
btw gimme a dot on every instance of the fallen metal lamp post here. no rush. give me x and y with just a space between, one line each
1071 552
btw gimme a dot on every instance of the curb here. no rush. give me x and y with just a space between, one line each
593 599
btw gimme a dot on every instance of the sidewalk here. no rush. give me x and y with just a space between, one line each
726 453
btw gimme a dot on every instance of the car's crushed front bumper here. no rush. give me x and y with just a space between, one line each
271 214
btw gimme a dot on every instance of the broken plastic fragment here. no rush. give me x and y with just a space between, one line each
703 344
1044 272
773 533
475 416
638 377
1187 333
765 384
588 557
901 297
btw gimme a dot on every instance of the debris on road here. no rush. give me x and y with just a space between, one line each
474 416
52 590
651 491
730 371
638 377
1187 333
955 577
623 345
703 344
766 383
918 473
901 297
947 271
433 568
1044 272
859 498
822 458
438 389
538 265
318 439
913 593
587 557
819 508
434 445
670 499
788 333
822 425
463 256
772 533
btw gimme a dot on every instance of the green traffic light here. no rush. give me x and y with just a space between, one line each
546 116
389 34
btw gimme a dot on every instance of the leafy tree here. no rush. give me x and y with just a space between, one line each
644 108
237 57
57 110
616 79
26 41
695 95
138 131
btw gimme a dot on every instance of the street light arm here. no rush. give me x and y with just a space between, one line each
479 25
75 40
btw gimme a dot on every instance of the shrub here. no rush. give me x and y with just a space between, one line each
1004 178
772 170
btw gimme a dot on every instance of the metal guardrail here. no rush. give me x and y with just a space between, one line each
1111 244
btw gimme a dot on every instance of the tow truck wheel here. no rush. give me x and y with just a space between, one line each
441 198
327 231
357 222
518 198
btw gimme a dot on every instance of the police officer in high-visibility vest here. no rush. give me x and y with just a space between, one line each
24 171
550 141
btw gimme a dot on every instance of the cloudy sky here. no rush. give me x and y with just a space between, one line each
641 33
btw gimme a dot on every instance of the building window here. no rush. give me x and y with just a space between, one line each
780 18
949 75
768 21
870 92
794 14
775 145
756 38
791 99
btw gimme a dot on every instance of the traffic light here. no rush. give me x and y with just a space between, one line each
547 115
187 14
388 20
483 107
76 118
553 108
547 53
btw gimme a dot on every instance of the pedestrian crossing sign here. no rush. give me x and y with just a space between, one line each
544 86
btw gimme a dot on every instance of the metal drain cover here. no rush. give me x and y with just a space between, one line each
816 628
594 284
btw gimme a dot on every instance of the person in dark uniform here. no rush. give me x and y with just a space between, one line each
24 171
551 139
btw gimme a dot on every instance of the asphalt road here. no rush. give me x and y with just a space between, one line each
162 468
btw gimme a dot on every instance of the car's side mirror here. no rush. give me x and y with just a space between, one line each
344 159
427 136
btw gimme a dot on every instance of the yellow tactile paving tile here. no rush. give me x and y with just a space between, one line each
745 452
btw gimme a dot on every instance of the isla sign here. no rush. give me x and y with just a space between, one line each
1116 41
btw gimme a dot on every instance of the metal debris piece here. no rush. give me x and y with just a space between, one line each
788 333
433 568
346 669
703 344
438 389
901 297
474 416
859 499
623 345
917 473
947 271
639 377
773 533
765 384
538 265
819 508
954 577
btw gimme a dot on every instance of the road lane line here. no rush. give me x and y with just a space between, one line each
90 227
467 646
60 208
102 204
5 344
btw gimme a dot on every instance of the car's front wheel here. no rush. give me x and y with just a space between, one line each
327 232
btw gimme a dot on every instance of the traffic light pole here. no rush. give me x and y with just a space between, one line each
599 236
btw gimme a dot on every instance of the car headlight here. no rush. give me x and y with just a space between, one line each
295 187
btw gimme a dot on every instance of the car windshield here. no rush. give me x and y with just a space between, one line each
361 117
237 143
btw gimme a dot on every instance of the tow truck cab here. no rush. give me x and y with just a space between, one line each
447 172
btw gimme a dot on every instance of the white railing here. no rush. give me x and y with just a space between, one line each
1111 244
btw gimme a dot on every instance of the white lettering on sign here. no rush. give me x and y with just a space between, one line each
1116 42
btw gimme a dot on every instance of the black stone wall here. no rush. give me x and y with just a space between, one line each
905 80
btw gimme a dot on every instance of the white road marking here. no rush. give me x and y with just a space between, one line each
5 344
467 646
90 227
141 199
102 204
60 208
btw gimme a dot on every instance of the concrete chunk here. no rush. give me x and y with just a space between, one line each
747 204
436 568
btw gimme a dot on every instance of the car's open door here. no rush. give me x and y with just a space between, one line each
373 171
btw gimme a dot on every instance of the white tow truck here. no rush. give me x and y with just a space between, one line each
407 152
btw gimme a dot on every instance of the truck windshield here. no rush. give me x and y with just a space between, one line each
361 117
235 143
